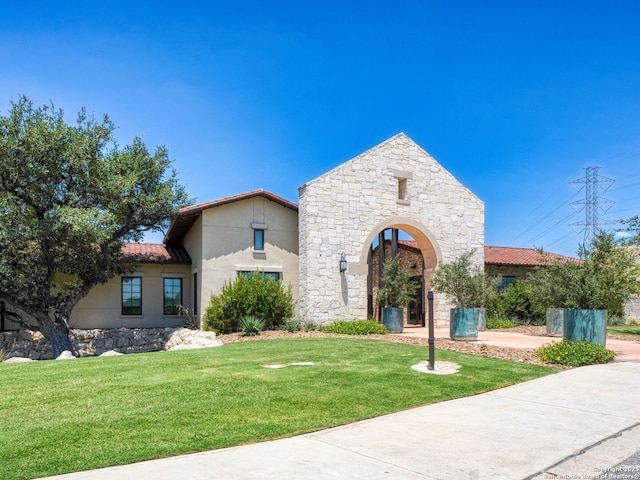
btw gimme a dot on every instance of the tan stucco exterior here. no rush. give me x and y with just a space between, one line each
226 239
101 308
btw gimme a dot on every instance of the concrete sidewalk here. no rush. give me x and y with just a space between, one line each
626 351
576 424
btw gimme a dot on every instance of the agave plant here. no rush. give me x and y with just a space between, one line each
250 325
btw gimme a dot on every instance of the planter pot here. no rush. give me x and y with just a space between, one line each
585 326
482 318
464 324
393 319
555 322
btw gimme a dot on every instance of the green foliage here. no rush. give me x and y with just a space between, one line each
356 327
574 354
465 284
292 325
632 226
250 325
256 295
499 323
69 197
517 303
604 278
614 320
397 288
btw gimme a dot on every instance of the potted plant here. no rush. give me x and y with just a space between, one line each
588 288
465 286
396 292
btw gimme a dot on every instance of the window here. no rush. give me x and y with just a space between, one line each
172 295
271 275
258 239
131 296
506 282
402 189
195 293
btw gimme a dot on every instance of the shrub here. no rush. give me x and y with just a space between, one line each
517 303
499 323
250 325
604 278
310 325
574 354
256 295
464 284
292 325
355 327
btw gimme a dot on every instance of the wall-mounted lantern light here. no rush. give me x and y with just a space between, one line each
343 263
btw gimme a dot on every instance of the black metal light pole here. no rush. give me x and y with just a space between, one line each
1 316
432 341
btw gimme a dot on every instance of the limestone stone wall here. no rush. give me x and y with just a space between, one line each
632 309
33 345
394 185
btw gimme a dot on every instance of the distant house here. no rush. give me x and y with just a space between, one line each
516 263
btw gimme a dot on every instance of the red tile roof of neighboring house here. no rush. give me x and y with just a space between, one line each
529 257
526 257
187 216
155 253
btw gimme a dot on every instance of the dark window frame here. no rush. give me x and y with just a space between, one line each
130 290
169 308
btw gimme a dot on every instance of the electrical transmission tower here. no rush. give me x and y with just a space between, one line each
593 203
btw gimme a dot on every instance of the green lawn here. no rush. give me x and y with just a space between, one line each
624 330
64 416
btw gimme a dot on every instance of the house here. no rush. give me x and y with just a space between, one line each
322 246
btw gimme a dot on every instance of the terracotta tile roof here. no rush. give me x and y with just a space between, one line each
526 257
529 257
155 253
409 243
187 216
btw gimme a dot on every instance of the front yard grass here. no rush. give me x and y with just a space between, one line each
624 330
66 416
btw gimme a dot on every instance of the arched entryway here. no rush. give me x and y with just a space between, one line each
419 256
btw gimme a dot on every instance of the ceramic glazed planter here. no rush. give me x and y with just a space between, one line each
555 322
463 324
585 326
393 319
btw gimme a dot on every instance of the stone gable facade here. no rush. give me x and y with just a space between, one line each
393 185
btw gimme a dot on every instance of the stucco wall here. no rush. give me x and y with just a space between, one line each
227 244
344 209
101 308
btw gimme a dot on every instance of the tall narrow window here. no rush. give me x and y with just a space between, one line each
258 239
131 296
195 293
172 295
402 188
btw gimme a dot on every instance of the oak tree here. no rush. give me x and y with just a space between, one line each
69 198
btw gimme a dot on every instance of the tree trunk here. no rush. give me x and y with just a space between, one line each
60 342
57 334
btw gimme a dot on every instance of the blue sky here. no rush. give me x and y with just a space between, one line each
513 98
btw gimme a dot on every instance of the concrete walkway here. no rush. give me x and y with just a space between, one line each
575 424
627 351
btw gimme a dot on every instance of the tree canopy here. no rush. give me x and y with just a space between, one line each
69 198
604 277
